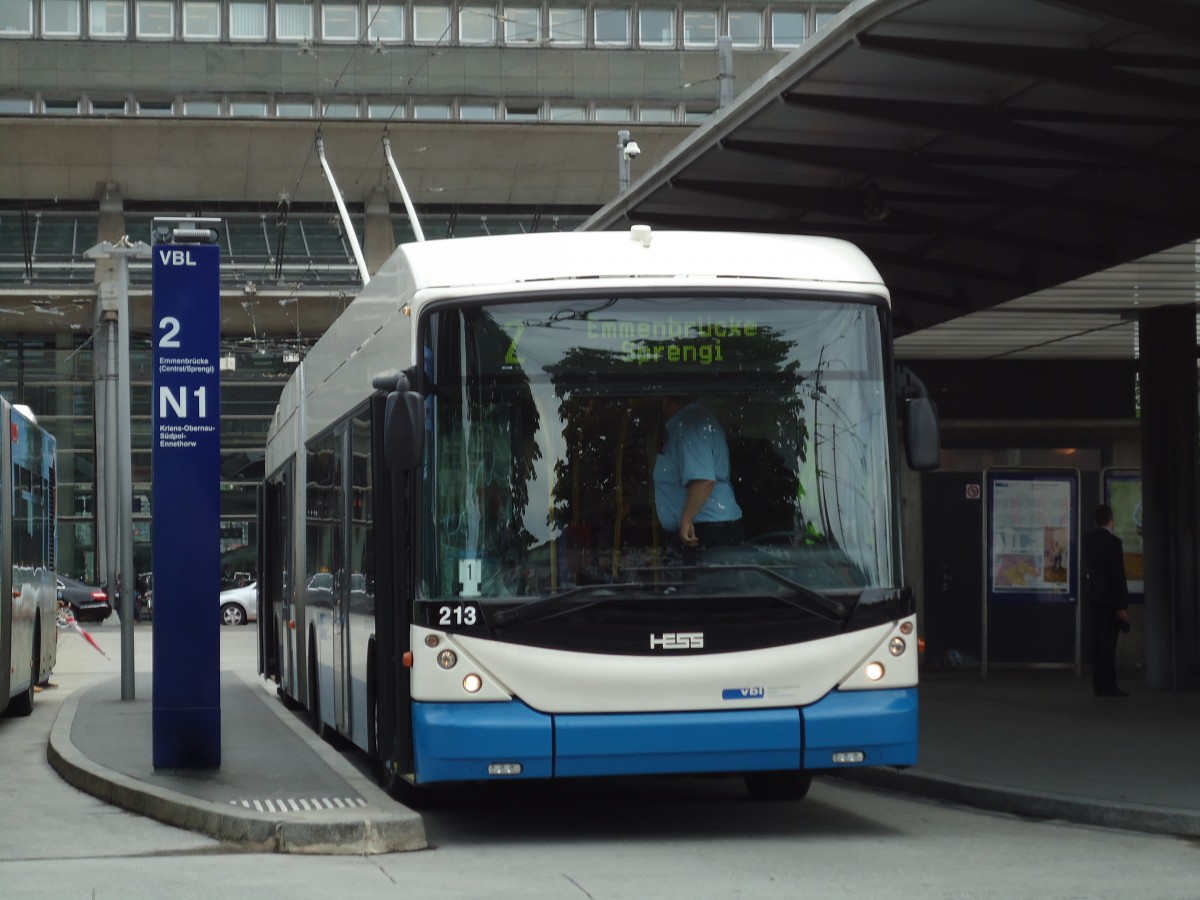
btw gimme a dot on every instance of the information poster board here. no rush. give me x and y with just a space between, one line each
1032 535
1123 492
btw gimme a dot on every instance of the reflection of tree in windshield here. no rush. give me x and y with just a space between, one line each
609 404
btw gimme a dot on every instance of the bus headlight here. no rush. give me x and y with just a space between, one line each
874 671
447 659
896 646
472 683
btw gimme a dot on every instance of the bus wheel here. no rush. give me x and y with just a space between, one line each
379 766
314 696
777 786
22 705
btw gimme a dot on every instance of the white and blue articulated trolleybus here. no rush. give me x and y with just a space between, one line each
463 568
28 542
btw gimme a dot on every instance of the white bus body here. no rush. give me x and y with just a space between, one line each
510 606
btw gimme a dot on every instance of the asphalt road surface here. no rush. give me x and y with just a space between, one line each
623 838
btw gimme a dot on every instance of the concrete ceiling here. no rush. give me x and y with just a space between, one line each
986 155
236 162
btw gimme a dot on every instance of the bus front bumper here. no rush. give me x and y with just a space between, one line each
491 741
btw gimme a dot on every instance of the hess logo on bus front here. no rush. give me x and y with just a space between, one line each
683 640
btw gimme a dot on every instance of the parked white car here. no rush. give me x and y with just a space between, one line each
239 605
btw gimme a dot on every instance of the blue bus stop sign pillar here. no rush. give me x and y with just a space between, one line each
186 459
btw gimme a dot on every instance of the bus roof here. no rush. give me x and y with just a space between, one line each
637 253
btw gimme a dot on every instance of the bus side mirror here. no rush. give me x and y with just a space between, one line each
404 430
922 438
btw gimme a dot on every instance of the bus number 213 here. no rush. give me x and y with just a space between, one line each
457 615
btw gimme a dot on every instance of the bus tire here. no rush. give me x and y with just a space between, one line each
22 704
314 692
777 786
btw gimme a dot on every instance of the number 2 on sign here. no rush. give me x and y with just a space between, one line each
169 340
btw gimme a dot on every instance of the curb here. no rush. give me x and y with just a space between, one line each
371 830
1014 801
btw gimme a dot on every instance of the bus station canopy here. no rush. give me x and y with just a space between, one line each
978 151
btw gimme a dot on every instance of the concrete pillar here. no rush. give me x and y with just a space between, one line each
110 227
378 239
68 470
1167 367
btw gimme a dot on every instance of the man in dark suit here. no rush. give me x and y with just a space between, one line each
1107 592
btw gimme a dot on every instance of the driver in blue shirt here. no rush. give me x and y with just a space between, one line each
692 492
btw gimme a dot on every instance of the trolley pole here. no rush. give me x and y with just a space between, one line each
120 517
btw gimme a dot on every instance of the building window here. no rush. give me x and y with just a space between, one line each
522 24
108 107
746 28
385 22
612 114
568 112
657 115
155 19
476 112
567 25
612 27
699 28
107 19
476 25
788 29
53 107
155 108
345 109
201 107
431 24
248 20
13 106
434 111
293 109
824 17
16 18
293 21
248 108
60 18
201 20
339 21
386 110
521 112
656 27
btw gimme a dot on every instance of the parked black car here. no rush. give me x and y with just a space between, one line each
89 604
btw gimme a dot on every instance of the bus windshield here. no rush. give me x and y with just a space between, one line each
565 432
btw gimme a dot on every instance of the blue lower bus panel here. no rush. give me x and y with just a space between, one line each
881 725
483 741
459 741
659 743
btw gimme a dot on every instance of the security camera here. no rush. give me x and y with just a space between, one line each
632 150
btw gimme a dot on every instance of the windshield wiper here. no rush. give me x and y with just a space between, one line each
549 605
804 598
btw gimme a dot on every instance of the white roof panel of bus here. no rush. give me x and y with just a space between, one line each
503 260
